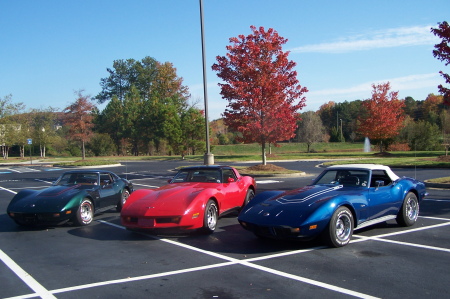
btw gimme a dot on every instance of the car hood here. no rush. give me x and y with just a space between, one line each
52 199
172 199
292 207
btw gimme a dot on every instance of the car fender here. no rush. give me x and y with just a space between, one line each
260 197
21 194
322 215
136 195
76 200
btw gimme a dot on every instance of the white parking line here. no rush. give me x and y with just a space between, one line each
149 186
233 261
14 192
44 293
27 278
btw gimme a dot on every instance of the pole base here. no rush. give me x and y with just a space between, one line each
208 159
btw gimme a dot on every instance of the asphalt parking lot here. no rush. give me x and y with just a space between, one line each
104 260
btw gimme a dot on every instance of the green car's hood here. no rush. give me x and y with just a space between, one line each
52 199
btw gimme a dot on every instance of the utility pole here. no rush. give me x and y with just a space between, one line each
209 157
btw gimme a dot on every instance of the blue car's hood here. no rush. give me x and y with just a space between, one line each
292 207
50 199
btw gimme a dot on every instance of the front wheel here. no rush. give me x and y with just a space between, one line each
210 217
409 211
340 229
123 199
85 213
249 196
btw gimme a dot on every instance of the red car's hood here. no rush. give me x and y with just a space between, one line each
173 199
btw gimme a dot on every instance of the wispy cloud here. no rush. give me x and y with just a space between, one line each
417 86
388 38
397 84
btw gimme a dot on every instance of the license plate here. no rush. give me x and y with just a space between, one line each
146 222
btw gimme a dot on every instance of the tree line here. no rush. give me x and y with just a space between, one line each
148 110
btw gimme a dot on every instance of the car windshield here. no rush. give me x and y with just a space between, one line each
346 177
78 179
198 175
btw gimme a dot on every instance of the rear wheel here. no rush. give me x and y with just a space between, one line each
409 211
340 229
123 199
210 217
85 213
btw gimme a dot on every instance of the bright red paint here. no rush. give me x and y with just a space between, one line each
182 204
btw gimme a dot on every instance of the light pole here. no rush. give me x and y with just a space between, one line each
209 157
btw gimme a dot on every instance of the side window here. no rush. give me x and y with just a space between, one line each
379 175
227 174
105 179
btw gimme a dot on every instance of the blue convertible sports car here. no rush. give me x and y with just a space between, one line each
75 196
342 198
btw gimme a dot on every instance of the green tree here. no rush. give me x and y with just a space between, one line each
43 123
111 121
310 129
192 129
422 136
101 145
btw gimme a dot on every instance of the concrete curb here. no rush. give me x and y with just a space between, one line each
437 185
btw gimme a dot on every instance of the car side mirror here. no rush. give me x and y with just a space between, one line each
379 183
230 180
169 180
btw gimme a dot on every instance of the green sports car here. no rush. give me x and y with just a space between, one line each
75 196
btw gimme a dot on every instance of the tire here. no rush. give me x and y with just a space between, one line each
85 213
409 211
123 199
249 196
210 217
340 229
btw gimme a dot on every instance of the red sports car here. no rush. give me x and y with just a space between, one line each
195 198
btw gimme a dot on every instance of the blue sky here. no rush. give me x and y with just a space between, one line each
51 48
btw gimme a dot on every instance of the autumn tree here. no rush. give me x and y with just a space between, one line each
383 114
442 52
261 87
79 119
310 129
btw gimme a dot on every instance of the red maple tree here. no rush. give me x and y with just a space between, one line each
261 87
79 119
442 52
383 114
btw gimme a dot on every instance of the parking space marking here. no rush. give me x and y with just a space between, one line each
405 243
247 263
149 186
25 277
47 182
1 188
266 181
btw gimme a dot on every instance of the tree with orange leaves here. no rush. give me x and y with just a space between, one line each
79 119
261 87
383 114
